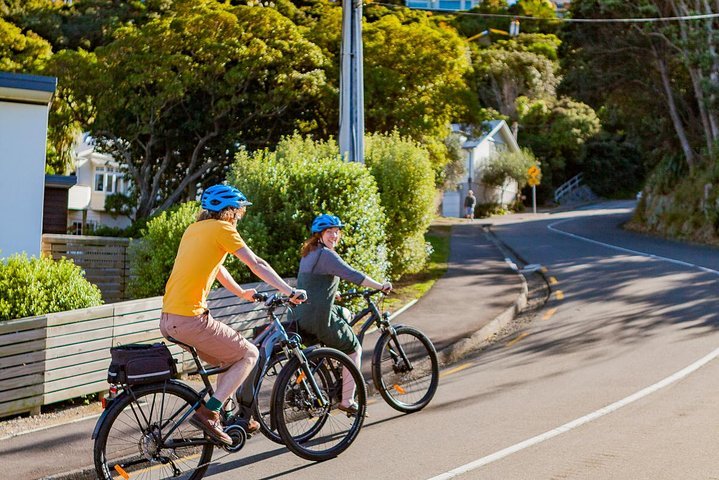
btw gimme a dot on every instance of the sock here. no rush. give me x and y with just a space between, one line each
213 404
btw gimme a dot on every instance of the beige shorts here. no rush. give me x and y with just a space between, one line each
215 342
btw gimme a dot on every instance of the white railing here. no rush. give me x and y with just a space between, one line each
567 187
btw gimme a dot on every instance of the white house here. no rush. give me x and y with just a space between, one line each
24 106
98 175
478 151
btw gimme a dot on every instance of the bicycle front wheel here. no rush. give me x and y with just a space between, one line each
306 412
148 436
405 369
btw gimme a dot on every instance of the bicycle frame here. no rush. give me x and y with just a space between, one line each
275 334
376 318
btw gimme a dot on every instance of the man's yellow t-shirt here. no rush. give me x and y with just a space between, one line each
202 251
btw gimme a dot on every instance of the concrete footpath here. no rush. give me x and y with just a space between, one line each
477 296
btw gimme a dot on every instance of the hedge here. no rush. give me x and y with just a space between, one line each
35 286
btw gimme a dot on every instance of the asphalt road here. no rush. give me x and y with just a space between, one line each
616 378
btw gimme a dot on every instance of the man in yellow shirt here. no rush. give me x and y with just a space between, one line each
185 317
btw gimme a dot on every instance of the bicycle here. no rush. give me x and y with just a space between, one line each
405 369
286 409
145 429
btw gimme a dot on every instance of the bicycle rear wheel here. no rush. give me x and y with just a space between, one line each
308 420
144 436
405 369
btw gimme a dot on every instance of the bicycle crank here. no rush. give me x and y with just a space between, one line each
238 436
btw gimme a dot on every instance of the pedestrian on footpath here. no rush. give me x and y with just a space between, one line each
185 317
470 201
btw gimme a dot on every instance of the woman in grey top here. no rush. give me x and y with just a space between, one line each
321 269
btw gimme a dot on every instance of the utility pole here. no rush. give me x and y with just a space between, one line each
351 137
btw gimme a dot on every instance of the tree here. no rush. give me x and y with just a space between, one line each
173 99
20 51
555 130
660 80
505 165
510 69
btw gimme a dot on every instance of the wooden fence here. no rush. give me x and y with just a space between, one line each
104 260
64 355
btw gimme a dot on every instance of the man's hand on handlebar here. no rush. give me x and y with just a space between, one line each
298 296
249 294
386 287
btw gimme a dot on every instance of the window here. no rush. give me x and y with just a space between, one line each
109 180
100 179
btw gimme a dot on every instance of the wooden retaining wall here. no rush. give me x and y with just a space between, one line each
104 259
64 355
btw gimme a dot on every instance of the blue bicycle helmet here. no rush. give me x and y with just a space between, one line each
221 196
325 221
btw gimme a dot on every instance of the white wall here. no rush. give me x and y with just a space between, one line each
23 129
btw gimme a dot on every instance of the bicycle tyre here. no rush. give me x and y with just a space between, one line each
331 431
405 390
127 438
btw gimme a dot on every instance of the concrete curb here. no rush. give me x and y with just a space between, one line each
484 335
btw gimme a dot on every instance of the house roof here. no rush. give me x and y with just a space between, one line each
23 88
494 128
60 181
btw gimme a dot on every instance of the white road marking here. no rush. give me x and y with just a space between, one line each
628 250
580 421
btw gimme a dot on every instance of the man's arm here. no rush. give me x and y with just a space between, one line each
262 269
224 277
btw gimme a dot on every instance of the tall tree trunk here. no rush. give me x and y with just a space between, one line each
673 111
714 71
696 75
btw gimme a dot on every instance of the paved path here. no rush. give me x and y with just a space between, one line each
478 287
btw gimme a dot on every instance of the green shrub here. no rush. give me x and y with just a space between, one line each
289 187
152 257
403 172
36 286
484 210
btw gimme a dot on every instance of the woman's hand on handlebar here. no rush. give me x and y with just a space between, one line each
386 287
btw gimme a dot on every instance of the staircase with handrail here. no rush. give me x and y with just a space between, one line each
573 191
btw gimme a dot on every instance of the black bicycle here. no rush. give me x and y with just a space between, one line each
145 432
405 369
287 410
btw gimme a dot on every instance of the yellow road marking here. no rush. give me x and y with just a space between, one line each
122 472
543 270
518 338
455 369
559 294
549 313
553 281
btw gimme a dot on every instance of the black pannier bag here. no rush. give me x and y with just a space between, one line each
137 363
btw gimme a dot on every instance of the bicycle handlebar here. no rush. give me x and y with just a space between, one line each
367 293
275 300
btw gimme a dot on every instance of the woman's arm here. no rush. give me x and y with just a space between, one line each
368 282
224 277
263 270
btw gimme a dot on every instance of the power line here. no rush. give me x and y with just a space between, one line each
558 19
